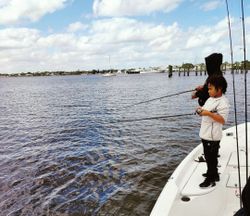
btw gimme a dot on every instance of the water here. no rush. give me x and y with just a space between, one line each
63 154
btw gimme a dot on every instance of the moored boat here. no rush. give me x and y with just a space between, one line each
109 74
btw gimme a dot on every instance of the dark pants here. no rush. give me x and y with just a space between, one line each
211 149
241 212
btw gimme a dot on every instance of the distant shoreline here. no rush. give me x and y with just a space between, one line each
54 73
185 67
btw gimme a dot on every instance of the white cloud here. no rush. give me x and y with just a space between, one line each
17 38
124 30
15 11
129 43
207 35
77 26
3 2
211 5
57 42
132 7
125 40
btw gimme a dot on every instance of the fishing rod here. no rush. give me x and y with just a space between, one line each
245 81
155 117
159 98
234 94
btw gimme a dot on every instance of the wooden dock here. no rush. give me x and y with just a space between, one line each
200 70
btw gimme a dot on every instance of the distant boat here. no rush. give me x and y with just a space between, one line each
182 194
133 72
109 74
152 70
147 71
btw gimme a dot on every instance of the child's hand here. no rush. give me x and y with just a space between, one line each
204 113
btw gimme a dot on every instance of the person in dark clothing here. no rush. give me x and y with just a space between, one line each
246 197
213 66
245 211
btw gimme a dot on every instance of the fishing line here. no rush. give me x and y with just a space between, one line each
245 80
234 93
159 98
154 117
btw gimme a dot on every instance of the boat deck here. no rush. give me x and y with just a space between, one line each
182 194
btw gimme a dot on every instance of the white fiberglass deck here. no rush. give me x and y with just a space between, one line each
182 194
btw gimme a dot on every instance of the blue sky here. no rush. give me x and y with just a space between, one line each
83 34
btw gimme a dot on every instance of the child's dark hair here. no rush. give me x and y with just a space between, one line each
219 82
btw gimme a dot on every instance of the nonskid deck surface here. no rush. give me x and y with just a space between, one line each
182 193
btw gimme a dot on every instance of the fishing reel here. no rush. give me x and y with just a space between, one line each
199 111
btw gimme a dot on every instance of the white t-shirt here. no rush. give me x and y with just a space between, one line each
210 129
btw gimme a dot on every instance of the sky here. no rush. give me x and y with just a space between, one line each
70 35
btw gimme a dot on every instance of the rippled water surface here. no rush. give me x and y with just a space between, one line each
64 152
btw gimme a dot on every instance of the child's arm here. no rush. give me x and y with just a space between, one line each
214 116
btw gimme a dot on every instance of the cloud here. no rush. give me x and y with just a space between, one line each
125 30
207 35
206 39
211 5
77 26
18 38
132 7
16 11
128 42
57 42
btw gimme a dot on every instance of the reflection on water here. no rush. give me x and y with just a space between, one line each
62 154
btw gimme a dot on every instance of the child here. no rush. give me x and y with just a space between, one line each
213 67
214 115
